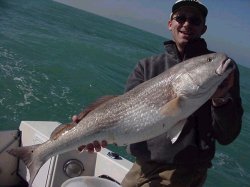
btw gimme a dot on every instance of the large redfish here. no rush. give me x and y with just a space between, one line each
154 107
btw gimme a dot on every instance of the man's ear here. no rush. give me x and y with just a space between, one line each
170 25
204 29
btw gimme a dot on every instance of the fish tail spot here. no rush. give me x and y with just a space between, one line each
27 155
23 153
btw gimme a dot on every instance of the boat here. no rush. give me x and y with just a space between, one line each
59 169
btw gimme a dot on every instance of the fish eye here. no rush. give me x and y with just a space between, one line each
209 59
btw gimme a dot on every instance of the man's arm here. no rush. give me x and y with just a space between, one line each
227 112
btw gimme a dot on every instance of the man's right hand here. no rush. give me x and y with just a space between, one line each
91 147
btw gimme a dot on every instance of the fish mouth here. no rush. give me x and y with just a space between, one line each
227 64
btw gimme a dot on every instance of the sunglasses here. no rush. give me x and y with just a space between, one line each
181 19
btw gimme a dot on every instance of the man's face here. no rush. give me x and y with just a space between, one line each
186 24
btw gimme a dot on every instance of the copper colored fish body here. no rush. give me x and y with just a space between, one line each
154 107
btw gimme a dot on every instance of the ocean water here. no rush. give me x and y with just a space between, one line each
55 60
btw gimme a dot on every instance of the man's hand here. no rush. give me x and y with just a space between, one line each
222 90
91 147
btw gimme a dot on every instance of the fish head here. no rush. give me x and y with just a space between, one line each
205 73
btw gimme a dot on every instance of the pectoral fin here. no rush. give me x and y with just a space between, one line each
172 108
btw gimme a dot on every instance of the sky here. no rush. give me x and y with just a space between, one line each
228 21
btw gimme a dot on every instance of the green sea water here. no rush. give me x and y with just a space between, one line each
55 60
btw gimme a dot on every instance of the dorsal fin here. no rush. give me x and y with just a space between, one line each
60 130
94 105
66 127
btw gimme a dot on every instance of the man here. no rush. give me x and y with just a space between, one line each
184 163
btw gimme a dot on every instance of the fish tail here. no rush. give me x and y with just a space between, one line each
27 155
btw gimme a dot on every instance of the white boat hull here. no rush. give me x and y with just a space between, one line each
61 167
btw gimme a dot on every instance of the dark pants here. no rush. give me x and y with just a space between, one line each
158 175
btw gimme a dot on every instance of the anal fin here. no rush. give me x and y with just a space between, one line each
175 131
